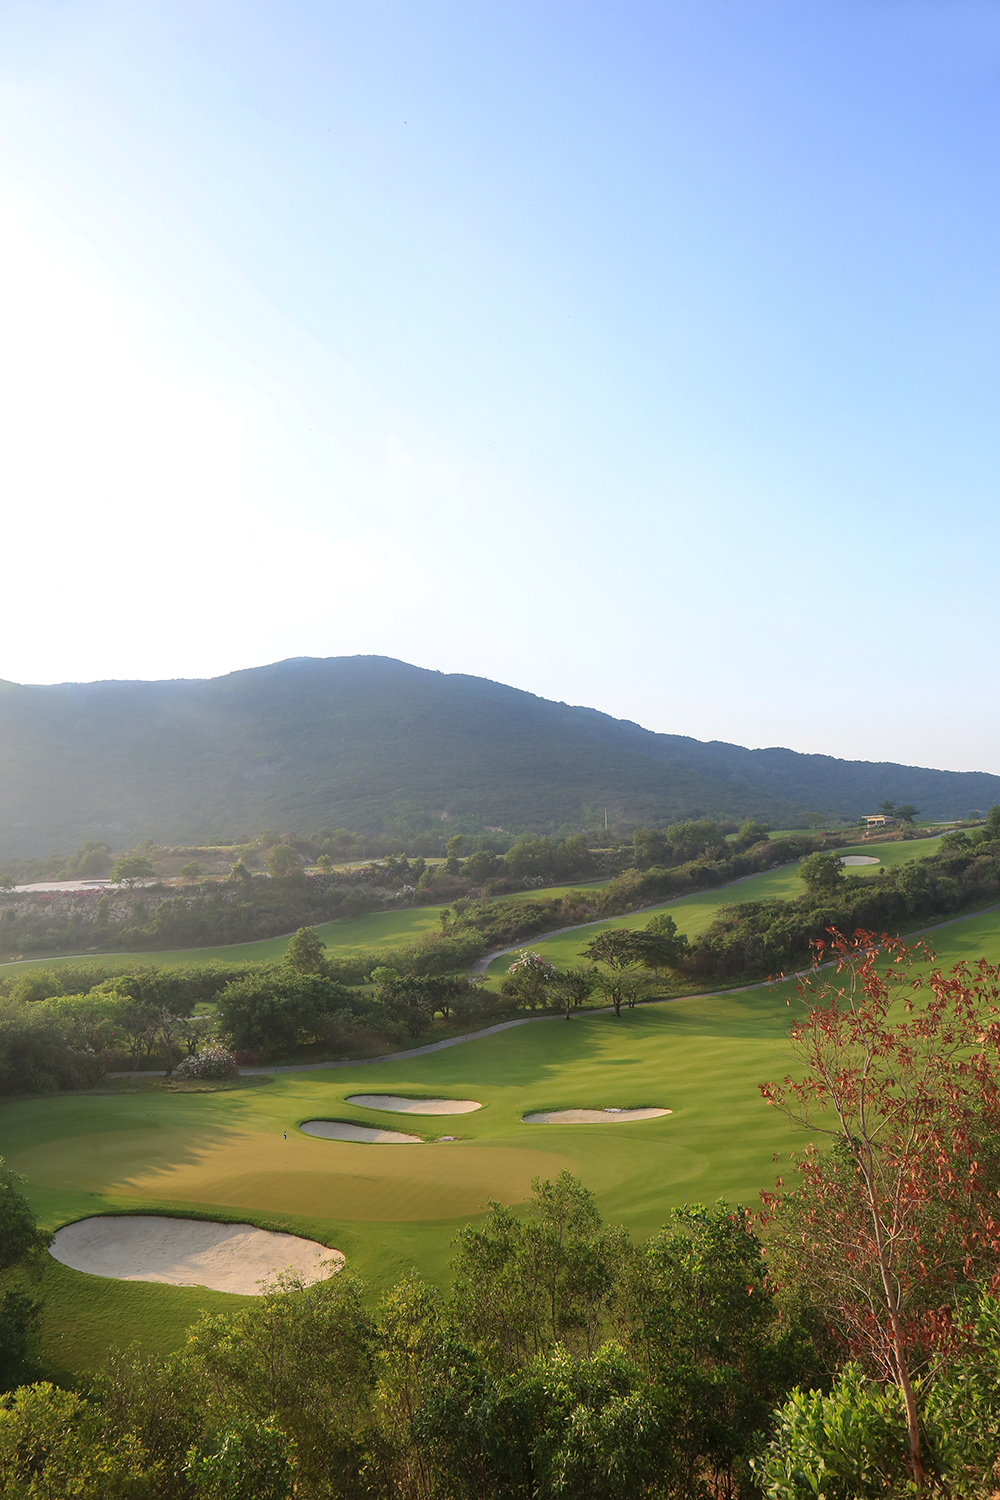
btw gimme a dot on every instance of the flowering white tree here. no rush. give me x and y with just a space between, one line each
529 980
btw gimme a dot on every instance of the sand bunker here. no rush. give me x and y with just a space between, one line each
592 1116
339 1130
859 859
189 1252
397 1105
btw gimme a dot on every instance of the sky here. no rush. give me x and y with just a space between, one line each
642 356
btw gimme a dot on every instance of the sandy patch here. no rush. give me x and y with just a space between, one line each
189 1252
339 1130
398 1105
859 859
592 1116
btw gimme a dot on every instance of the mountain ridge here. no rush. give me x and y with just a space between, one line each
383 747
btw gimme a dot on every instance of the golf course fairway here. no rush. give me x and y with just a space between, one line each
389 1208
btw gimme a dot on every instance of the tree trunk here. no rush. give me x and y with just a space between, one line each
914 1460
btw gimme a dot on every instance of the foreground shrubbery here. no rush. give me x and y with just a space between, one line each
845 1345
566 1362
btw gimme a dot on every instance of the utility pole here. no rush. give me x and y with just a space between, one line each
605 820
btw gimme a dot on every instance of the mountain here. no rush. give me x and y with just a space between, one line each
372 744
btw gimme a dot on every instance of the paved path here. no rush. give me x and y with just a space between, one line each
472 1036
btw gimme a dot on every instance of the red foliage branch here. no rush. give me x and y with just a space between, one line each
904 1213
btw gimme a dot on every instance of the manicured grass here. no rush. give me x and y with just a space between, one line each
553 892
890 855
390 1207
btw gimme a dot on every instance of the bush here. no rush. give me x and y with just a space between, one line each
211 1062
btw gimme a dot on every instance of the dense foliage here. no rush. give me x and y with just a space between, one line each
771 937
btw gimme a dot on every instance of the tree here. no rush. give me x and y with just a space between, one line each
651 847
619 957
480 865
574 986
296 1356
276 1009
823 874
887 809
523 1285
906 812
21 1240
129 868
239 871
282 861
252 1460
884 1230
703 1317
991 828
753 833
305 952
51 1446
660 944
92 858
21 1244
191 870
325 863
529 981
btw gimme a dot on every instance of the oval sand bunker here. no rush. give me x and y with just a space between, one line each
189 1252
592 1116
398 1105
859 859
340 1130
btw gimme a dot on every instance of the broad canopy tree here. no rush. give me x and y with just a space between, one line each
619 956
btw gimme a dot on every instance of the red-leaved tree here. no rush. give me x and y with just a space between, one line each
885 1231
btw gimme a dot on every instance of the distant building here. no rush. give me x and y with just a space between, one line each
876 820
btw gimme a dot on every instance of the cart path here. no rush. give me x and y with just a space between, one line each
474 1036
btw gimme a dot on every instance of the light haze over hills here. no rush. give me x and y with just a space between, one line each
382 747
642 354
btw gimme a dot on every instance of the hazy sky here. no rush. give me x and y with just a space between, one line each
641 355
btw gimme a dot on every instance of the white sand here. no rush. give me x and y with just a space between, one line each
397 1105
189 1252
592 1116
339 1130
859 859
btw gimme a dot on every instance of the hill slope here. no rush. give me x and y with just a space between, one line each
376 745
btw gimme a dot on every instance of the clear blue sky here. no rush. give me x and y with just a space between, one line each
644 356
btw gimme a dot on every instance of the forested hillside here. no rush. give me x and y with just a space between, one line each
375 745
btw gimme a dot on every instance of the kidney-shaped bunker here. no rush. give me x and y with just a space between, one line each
189 1252
398 1104
592 1116
369 1135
